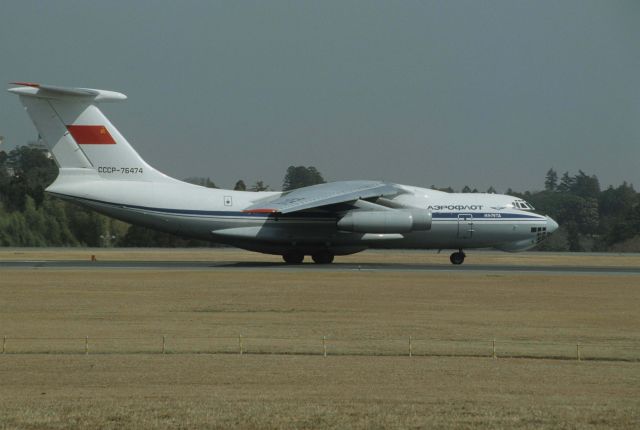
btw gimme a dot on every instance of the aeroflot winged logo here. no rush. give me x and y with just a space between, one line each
91 134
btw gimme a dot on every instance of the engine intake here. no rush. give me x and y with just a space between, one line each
393 221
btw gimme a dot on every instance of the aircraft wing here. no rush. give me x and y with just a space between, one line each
323 195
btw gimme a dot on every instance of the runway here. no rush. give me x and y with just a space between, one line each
335 267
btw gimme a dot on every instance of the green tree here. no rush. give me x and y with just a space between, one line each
86 225
240 186
588 217
33 171
20 233
301 176
581 213
620 211
573 238
57 223
15 194
585 186
205 182
259 186
547 202
566 183
618 201
551 180
4 173
139 236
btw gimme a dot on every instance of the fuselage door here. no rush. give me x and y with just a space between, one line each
465 226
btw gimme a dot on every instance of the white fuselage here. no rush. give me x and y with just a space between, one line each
458 220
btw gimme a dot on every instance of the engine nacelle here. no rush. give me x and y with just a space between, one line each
392 221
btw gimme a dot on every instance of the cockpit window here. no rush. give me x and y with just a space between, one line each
521 204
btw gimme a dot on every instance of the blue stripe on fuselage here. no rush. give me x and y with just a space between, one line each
487 216
477 216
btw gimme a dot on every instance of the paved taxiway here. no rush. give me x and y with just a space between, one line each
335 267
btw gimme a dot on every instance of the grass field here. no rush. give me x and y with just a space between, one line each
195 391
116 388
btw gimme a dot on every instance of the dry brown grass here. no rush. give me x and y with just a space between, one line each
140 303
113 390
255 392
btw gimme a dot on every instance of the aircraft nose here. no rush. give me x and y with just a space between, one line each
551 225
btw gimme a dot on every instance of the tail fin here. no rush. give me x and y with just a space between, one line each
79 135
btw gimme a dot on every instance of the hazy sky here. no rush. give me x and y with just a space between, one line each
416 92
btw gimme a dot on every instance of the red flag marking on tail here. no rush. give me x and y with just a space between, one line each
91 134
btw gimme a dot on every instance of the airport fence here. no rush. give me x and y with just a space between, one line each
327 346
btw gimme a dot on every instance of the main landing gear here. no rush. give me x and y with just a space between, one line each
293 257
321 257
457 257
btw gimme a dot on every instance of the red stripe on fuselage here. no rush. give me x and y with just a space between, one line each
260 211
91 134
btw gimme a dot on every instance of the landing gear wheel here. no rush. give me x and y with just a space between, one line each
457 257
324 257
293 257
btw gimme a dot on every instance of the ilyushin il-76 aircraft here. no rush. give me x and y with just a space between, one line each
100 170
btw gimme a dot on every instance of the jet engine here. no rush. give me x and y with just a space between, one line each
392 221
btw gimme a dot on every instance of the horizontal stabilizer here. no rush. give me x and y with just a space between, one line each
31 89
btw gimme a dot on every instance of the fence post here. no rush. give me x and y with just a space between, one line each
86 345
494 349
324 345
578 351
4 343
240 344
164 342
410 347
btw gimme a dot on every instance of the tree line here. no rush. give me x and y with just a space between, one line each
590 218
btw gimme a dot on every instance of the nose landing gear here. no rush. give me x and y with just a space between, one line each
457 257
